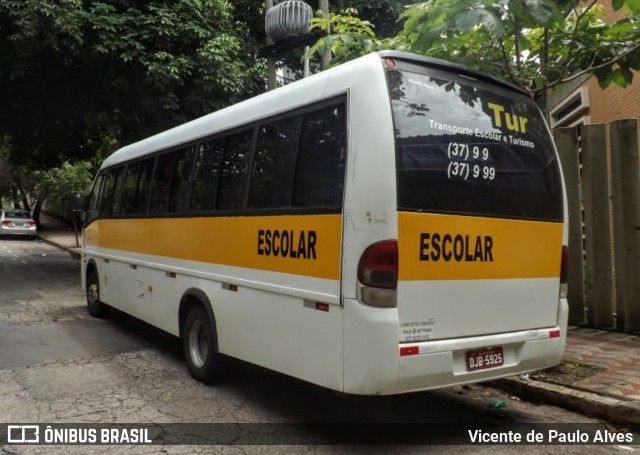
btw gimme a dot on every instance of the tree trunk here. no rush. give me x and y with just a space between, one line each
24 199
36 211
545 73
15 199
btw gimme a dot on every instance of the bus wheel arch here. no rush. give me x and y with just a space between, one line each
197 328
96 308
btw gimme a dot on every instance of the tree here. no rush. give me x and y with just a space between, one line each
348 37
76 74
56 185
6 171
31 189
535 44
80 78
383 15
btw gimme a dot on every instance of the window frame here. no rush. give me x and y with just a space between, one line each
554 212
340 100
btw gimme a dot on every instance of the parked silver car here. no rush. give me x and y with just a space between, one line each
17 222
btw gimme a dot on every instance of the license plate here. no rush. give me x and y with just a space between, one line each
18 224
485 358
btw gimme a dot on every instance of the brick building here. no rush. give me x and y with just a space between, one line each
582 101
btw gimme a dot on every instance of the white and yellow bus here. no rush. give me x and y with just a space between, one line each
393 224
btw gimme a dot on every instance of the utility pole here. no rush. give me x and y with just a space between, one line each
326 57
271 62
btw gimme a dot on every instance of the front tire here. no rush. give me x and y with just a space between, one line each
97 309
200 346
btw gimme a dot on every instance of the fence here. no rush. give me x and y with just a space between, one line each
603 191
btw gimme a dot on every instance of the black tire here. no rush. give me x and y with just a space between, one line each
97 309
200 346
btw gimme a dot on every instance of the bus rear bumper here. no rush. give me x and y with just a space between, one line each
444 363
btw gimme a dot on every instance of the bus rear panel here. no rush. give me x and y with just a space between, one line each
472 283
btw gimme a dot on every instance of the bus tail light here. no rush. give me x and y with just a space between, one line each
564 272
378 274
409 350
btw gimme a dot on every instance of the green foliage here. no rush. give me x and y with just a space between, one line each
60 182
632 6
81 77
536 44
5 147
382 14
350 37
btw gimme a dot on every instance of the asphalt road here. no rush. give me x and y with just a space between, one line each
59 365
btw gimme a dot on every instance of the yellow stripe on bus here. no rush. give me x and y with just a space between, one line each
306 245
449 247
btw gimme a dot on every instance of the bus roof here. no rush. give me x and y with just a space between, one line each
449 66
293 95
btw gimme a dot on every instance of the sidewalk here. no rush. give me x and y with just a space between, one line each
599 377
60 235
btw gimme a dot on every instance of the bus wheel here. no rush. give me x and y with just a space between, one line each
97 309
200 346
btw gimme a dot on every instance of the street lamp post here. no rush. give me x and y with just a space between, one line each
287 27
326 57
271 62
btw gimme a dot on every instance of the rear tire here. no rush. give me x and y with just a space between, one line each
200 346
96 308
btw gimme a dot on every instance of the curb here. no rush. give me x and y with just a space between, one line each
75 254
614 410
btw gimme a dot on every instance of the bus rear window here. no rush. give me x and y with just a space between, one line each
471 148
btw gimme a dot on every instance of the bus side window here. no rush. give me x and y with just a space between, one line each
234 171
319 174
144 186
207 176
162 183
180 183
93 211
109 194
128 198
272 175
117 188
105 194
